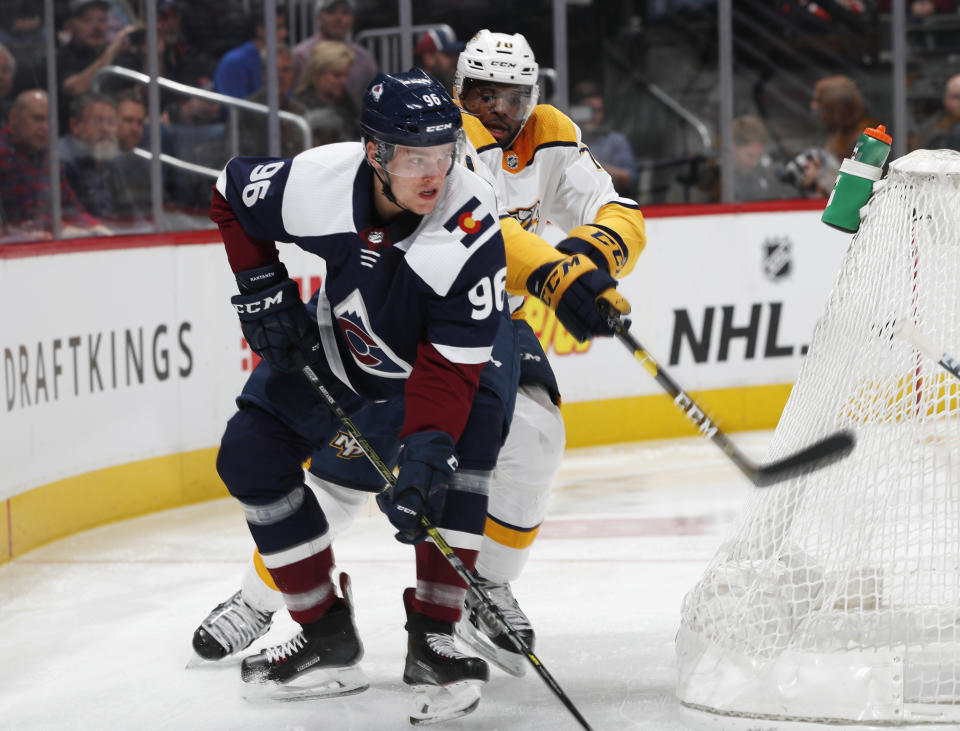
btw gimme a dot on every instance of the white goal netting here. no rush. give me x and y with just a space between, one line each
837 598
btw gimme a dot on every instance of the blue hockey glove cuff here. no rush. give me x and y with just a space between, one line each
274 319
427 462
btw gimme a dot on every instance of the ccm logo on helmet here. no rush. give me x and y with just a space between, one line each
439 127
265 304
505 64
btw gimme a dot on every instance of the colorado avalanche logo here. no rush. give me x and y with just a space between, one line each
376 91
367 350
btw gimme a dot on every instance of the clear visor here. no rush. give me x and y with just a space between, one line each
422 162
513 102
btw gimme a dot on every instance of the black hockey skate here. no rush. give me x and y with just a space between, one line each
231 627
320 661
446 682
480 629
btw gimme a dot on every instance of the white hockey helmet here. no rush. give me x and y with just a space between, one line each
500 58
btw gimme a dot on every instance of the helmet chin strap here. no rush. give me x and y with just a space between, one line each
387 190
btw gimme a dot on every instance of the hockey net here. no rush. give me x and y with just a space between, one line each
837 597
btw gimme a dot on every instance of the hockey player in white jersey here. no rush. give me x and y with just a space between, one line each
542 171
409 312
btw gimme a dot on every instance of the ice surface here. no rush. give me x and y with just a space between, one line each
96 628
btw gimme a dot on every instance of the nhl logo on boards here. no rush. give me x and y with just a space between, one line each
513 160
777 260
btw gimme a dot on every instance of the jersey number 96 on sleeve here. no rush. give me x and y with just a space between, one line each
259 182
486 296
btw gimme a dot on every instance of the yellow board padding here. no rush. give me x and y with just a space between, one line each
85 501
595 423
262 571
74 504
509 537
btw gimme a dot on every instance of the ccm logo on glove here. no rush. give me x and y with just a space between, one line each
261 306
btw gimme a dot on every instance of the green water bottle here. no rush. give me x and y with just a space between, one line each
855 181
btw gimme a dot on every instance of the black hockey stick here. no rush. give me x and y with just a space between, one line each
907 331
819 454
387 474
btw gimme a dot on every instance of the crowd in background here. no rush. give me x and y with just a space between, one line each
104 180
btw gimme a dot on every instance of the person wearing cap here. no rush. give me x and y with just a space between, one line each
89 50
335 23
437 52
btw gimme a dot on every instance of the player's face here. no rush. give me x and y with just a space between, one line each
417 175
501 108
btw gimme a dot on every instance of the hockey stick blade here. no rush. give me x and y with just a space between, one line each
817 456
907 331
823 453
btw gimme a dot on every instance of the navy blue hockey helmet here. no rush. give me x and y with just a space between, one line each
410 108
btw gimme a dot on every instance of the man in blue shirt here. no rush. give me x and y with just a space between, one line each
239 72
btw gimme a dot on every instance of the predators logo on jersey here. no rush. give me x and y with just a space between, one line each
528 217
347 447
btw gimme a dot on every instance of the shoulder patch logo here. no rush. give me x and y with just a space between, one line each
472 220
369 352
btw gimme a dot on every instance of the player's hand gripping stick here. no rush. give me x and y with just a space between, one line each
431 530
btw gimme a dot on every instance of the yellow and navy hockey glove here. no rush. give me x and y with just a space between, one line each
602 245
574 287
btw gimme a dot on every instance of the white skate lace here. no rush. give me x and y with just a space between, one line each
235 624
286 649
506 603
442 644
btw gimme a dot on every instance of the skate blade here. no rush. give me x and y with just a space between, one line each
512 663
319 683
437 703
196 662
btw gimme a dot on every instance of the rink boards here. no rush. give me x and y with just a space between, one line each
122 357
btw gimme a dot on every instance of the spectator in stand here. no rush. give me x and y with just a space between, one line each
25 175
22 32
755 177
840 108
89 50
917 9
88 155
437 52
335 23
197 134
8 66
943 131
323 85
253 127
610 147
131 119
179 59
240 71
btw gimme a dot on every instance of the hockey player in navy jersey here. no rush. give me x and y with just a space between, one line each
405 320
541 170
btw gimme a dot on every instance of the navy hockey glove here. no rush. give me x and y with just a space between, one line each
427 462
273 317
574 288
